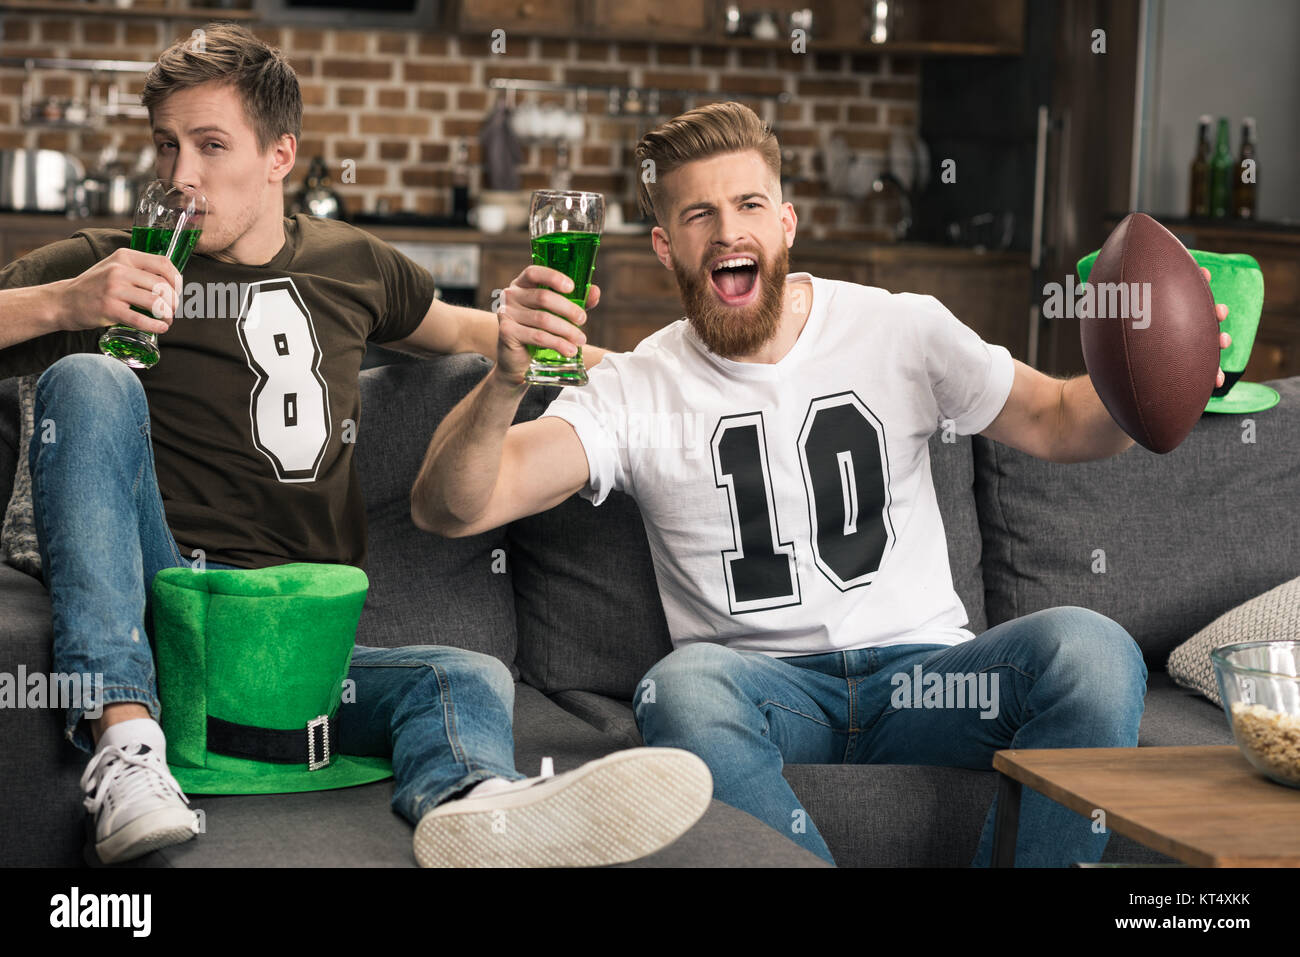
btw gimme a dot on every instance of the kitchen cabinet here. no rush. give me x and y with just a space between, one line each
547 17
104 9
988 27
675 17
991 23
917 27
21 233
986 291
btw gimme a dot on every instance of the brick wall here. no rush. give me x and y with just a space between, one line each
394 102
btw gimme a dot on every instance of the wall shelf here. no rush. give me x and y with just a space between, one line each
112 10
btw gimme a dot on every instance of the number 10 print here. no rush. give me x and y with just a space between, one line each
846 484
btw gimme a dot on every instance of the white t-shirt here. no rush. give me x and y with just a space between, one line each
789 506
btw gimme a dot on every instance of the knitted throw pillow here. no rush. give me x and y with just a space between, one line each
1274 615
18 536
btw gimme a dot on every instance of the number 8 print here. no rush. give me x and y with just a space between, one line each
289 404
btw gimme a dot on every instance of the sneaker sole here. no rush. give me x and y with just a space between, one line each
610 811
149 832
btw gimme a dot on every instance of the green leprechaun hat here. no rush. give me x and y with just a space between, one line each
1237 281
251 665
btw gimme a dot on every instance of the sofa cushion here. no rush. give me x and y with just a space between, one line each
356 827
911 815
424 589
611 716
1172 716
885 815
18 536
1273 616
590 616
952 468
1177 717
1182 537
40 803
9 436
589 613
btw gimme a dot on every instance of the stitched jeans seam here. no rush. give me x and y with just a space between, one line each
783 707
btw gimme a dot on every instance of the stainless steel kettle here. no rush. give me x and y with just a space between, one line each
43 181
316 198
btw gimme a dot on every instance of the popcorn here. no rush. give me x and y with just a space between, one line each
1271 738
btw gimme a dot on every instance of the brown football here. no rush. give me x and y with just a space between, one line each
1152 358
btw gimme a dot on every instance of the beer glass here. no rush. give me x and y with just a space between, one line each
168 219
565 227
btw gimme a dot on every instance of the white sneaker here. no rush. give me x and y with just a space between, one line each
138 805
616 809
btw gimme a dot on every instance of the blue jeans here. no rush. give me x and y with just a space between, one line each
1058 678
443 714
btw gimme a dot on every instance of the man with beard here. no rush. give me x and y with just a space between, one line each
800 557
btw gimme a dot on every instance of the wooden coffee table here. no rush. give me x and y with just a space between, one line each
1205 806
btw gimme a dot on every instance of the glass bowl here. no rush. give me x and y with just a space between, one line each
1259 684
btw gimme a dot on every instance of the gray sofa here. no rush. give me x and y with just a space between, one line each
574 612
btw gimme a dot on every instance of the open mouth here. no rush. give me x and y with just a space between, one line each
735 280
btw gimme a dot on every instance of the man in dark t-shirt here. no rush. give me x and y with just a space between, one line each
247 337
237 447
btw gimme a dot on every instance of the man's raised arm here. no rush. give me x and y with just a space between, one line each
479 471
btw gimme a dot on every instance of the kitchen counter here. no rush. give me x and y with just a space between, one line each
58 225
1224 230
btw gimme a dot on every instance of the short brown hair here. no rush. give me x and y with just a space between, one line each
696 134
228 53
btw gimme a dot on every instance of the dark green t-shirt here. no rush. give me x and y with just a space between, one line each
254 405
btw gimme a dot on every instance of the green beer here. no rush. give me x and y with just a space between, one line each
158 240
137 354
565 227
573 254
168 221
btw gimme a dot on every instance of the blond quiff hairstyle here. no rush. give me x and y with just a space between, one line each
697 134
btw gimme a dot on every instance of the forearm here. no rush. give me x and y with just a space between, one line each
478 331
461 465
27 313
1085 430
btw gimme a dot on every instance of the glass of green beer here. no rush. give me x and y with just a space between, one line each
168 220
565 227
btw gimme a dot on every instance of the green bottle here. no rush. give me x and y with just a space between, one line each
1244 199
1221 168
1198 206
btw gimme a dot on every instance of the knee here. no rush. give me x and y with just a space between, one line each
466 679
1095 649
687 685
97 381
483 671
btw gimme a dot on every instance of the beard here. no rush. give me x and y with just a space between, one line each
731 331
